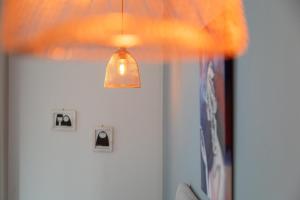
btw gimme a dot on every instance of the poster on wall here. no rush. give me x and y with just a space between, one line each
64 120
216 128
103 140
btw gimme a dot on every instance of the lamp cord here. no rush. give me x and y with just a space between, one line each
122 16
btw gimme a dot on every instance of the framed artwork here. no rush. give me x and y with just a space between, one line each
64 120
103 140
216 127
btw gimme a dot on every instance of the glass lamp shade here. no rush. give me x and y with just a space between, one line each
122 71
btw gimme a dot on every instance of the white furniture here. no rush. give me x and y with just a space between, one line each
184 192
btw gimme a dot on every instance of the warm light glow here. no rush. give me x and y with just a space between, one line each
125 40
122 71
84 29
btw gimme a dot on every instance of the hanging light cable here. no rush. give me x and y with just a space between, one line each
122 70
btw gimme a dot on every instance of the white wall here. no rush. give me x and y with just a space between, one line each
181 127
267 104
47 165
3 126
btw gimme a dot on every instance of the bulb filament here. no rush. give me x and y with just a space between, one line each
122 69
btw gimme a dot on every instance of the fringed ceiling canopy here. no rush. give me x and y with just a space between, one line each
152 29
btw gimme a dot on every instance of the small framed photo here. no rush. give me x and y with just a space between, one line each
64 120
103 140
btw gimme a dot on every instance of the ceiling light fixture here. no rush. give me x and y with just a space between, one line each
122 70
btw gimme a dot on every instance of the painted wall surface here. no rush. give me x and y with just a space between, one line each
267 122
3 126
47 165
181 127
267 104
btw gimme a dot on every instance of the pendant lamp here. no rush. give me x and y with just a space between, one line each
122 71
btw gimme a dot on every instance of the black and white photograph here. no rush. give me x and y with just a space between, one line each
103 140
64 120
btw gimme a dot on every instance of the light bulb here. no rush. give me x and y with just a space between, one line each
122 68
122 71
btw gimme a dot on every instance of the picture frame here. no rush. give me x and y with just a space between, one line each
64 120
216 127
103 139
